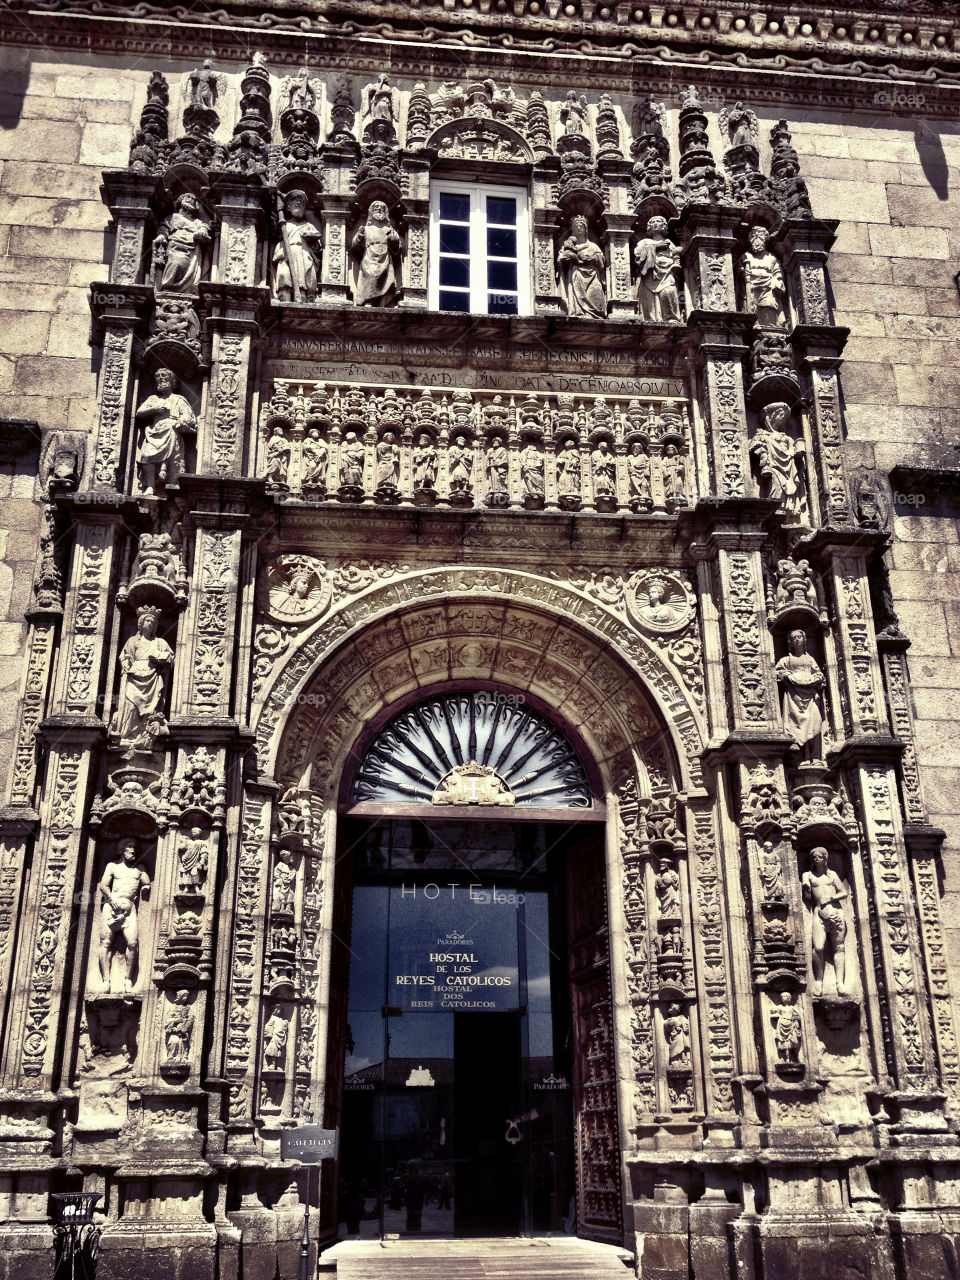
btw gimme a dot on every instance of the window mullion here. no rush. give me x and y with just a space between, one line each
478 253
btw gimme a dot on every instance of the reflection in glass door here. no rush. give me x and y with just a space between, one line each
457 1110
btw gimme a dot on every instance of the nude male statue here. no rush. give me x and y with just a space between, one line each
120 888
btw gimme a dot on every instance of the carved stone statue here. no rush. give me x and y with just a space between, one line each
788 1028
275 1033
425 463
603 465
573 113
673 468
145 661
824 892
668 889
498 464
376 246
460 459
278 459
313 454
388 462
581 268
120 887
194 858
771 873
203 86
532 471
676 1028
284 887
568 470
763 283
351 461
795 584
657 259
778 455
801 679
109 1039
178 248
296 257
178 1031
379 111
638 474
168 418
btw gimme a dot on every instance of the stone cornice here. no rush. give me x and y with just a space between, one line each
935 482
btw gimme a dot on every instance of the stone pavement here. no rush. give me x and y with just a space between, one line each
560 1258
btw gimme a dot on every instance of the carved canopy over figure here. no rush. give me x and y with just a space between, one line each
764 288
778 455
376 247
802 680
145 661
178 248
657 260
581 268
120 887
168 418
295 258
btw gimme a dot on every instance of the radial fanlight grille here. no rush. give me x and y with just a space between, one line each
472 748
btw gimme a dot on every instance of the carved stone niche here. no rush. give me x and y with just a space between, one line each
158 576
787 1038
830 927
108 1035
119 936
794 597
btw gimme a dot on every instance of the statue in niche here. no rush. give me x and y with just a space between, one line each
379 106
603 465
667 884
179 246
296 257
145 661
676 1029
568 470
673 469
638 474
573 113
388 462
771 873
376 246
203 86
740 126
168 418
788 1028
658 259
581 268
778 455
460 457
294 813
194 858
824 892
120 887
313 454
275 1033
178 1030
532 471
425 463
498 465
284 887
351 461
278 459
764 287
108 1040
801 679
297 91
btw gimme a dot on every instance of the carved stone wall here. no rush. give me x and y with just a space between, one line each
650 502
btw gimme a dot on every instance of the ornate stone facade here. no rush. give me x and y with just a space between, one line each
312 493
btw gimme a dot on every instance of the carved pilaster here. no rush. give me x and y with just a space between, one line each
857 656
80 679
203 676
113 401
239 212
333 285
129 195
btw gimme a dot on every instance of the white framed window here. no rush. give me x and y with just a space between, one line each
480 249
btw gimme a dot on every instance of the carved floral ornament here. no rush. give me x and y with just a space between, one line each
534 634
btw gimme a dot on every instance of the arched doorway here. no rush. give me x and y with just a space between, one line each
478 1065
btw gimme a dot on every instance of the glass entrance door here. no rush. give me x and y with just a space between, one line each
457 1109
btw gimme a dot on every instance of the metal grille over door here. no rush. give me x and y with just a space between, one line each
472 748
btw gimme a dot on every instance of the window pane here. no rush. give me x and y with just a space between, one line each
500 209
501 243
455 272
501 275
451 300
455 207
454 239
501 304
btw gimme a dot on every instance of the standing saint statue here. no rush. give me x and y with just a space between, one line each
581 268
673 469
604 465
145 661
376 247
824 891
425 463
788 1024
532 471
764 287
313 453
676 1028
120 888
194 858
278 459
203 85
351 461
295 258
178 1031
802 680
778 455
498 463
657 259
460 459
168 418
568 470
275 1032
638 473
388 462
573 113
178 248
